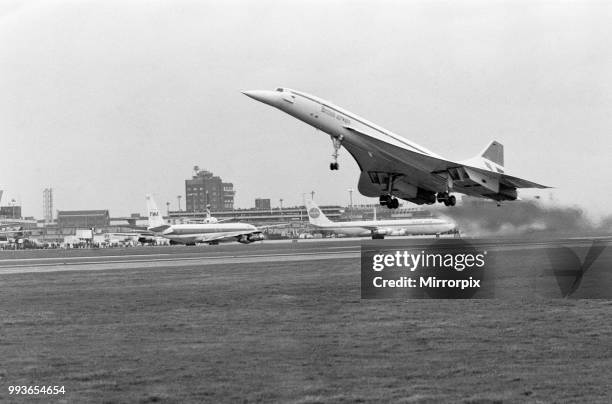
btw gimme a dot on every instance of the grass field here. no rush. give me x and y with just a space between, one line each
291 332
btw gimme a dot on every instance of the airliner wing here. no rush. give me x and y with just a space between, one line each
158 229
204 238
11 231
505 179
520 183
375 155
272 226
371 228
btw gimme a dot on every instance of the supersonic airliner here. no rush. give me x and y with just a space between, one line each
393 167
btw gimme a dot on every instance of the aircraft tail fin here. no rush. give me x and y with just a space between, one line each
155 218
316 217
494 152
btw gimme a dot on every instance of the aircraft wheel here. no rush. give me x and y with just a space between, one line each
334 166
452 201
384 200
393 203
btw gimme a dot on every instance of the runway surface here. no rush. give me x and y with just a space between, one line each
179 256
284 322
24 261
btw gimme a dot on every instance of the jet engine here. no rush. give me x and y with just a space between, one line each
423 196
507 193
255 237
244 239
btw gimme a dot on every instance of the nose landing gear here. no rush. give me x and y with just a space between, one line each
337 143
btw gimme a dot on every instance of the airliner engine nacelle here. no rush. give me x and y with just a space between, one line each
256 237
505 194
146 240
423 197
380 232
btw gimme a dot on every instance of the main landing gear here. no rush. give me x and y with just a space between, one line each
337 143
448 200
389 201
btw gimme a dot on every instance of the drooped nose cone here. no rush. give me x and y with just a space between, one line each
265 96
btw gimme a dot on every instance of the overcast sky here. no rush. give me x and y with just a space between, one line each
106 101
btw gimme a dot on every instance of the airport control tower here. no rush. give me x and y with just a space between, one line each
205 188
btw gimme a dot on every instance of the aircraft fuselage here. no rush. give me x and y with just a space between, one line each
196 233
389 227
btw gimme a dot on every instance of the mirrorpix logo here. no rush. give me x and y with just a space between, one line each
420 269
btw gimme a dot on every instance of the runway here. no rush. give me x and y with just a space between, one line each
27 261
284 322
179 256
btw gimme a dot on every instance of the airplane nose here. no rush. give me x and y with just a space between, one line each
267 97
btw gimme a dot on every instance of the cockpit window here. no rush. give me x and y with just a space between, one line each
280 89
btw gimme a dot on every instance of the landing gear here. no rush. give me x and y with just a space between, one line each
337 143
448 200
378 236
389 201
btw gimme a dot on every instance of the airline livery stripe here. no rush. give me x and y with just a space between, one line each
179 231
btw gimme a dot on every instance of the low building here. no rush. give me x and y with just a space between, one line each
82 218
10 212
259 217
262 203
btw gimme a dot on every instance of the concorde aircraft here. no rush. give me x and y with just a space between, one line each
211 231
377 229
393 167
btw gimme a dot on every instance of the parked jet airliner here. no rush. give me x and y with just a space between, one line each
210 232
378 229
392 166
